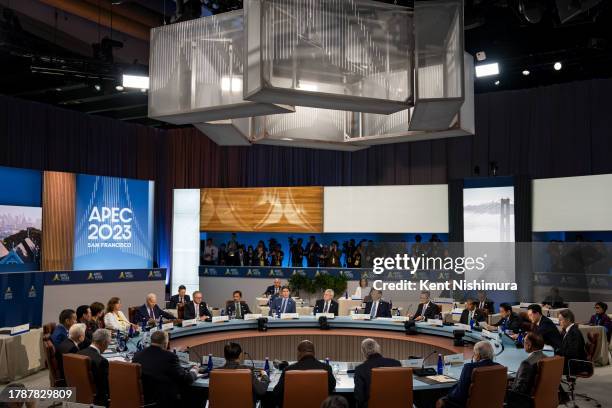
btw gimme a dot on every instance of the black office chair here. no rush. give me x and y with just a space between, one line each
579 369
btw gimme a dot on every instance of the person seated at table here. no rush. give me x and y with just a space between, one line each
306 360
151 312
260 381
572 346
426 309
472 312
509 320
67 318
554 299
275 289
97 315
197 304
600 318
99 364
522 387
363 372
71 344
163 378
458 394
282 304
327 304
180 298
83 313
114 319
543 326
377 307
485 303
238 308
362 290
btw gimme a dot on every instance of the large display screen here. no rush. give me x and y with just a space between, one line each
20 238
114 223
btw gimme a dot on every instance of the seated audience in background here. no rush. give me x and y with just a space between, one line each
274 290
151 312
426 309
99 365
197 309
600 318
327 304
97 315
484 303
180 298
282 304
509 320
163 378
544 326
233 354
114 319
67 318
572 346
71 344
211 253
335 401
83 314
297 253
306 360
470 312
362 290
459 393
363 372
377 307
238 308
554 299
524 381
332 259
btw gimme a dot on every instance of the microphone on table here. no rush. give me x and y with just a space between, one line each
200 359
423 372
250 358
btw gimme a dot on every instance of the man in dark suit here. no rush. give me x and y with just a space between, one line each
509 320
312 252
524 381
83 314
202 309
282 304
99 365
484 303
151 312
458 394
363 372
238 308
67 318
327 304
274 290
181 298
472 312
544 326
260 381
377 307
306 360
70 345
163 378
427 309
572 346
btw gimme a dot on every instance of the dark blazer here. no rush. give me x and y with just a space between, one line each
430 313
260 385
277 303
244 309
460 391
488 306
189 311
548 330
478 316
306 363
270 291
174 301
572 347
142 313
320 305
363 376
67 346
99 369
60 333
524 381
513 322
384 309
162 375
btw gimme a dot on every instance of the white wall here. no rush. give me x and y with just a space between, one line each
573 204
186 239
386 209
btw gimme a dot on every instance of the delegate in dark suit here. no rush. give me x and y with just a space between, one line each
478 316
306 363
383 309
175 300
277 304
99 369
524 381
548 330
190 313
332 308
363 376
572 346
244 309
430 312
144 313
66 347
458 394
162 375
272 291
514 322
487 305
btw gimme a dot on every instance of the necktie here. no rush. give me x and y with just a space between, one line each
238 310
374 307
326 308
284 305
152 314
180 300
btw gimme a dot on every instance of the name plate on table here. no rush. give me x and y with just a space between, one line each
457 311
462 326
489 334
414 363
435 322
454 359
289 316
219 319
252 316
399 318
190 322
328 315
356 298
167 326
360 316
22 328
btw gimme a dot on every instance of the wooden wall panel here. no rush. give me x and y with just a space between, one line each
273 209
59 192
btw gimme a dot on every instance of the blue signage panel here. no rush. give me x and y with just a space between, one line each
21 298
103 276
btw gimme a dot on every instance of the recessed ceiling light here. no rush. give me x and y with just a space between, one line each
119 88
496 83
58 89
526 72
557 66
487 69
97 87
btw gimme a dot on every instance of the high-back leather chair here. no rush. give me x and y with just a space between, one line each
526 325
132 314
488 387
230 388
55 377
48 328
124 385
391 387
592 346
305 388
180 310
546 390
77 370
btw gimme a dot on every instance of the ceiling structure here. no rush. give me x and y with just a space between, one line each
72 53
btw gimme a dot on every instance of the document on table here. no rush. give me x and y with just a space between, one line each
441 378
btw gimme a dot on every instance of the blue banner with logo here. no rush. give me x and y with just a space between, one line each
104 276
21 298
114 223
272 272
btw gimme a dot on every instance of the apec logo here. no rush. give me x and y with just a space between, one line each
110 227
